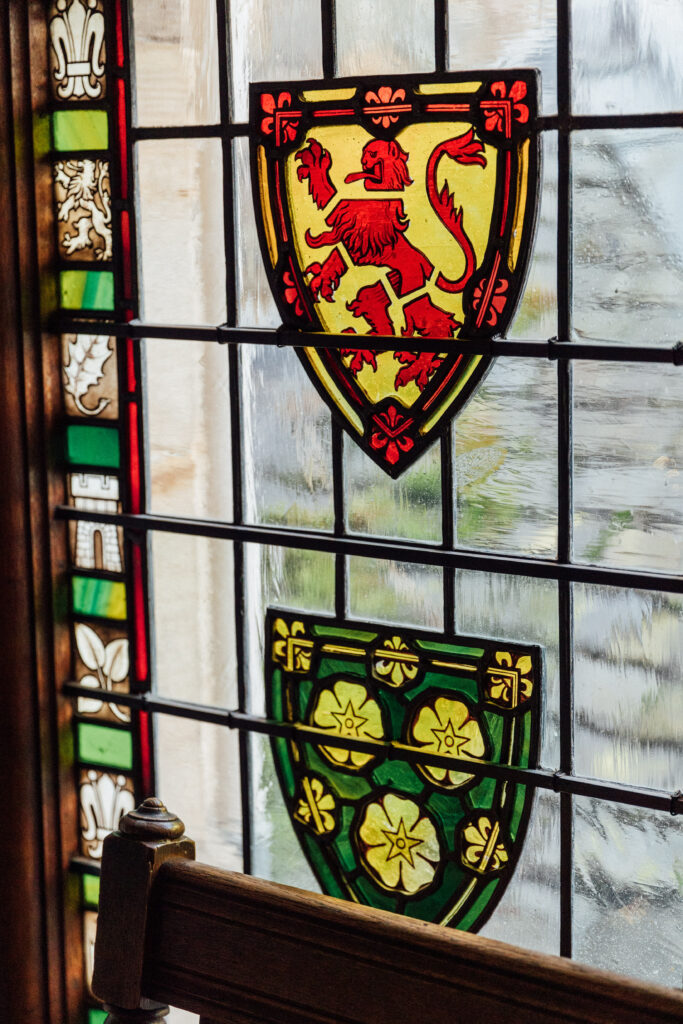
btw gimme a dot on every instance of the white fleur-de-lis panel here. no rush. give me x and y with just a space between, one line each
89 936
104 799
83 197
78 49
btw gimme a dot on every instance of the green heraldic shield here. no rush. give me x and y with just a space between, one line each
390 762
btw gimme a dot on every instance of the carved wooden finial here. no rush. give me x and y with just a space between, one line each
152 820
146 838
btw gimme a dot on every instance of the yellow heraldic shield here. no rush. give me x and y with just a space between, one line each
401 208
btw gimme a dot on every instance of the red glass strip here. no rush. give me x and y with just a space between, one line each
133 457
443 383
443 108
139 623
130 366
125 253
145 753
334 113
123 137
120 49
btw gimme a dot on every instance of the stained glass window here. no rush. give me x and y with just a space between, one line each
210 491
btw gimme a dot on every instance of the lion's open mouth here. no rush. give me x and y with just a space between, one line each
375 173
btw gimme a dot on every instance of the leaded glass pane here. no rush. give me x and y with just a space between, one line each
188 429
194 614
176 62
408 507
382 36
629 700
626 56
628 235
627 890
182 254
400 592
628 495
493 35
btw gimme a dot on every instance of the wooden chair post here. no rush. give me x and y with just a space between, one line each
147 838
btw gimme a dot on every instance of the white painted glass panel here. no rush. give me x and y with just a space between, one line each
176 62
180 231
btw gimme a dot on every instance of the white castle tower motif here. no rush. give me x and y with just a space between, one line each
93 492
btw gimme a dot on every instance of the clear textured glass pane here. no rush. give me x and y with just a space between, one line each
628 455
628 896
180 227
255 304
270 42
280 578
494 35
628 234
536 315
400 592
529 912
194 619
287 442
506 460
626 56
188 429
519 609
276 854
407 507
385 37
176 62
199 777
628 694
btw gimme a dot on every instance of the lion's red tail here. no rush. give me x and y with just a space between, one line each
464 149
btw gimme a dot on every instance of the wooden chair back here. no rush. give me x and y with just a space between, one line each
238 950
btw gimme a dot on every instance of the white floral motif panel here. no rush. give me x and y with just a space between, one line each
78 49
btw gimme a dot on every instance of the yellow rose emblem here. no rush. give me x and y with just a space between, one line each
347 709
445 726
398 843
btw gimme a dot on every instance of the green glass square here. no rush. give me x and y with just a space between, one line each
97 1016
87 289
89 445
104 598
80 129
91 890
99 744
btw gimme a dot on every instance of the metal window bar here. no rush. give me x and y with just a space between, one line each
447 555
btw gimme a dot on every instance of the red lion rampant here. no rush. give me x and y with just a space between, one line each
372 231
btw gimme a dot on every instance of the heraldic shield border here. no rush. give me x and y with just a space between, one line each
491 112
384 810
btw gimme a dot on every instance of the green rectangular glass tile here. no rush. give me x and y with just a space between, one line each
471 652
80 129
99 744
97 1016
98 597
93 446
91 890
86 289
